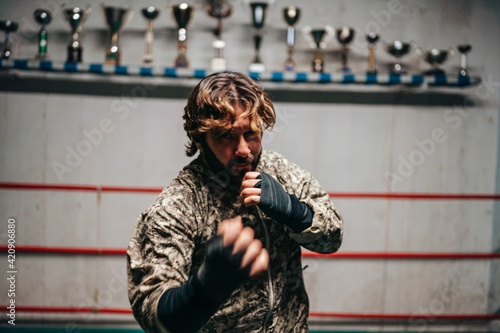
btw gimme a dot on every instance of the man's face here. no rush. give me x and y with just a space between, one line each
238 148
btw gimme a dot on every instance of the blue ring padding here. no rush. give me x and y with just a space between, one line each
254 75
371 78
146 71
121 70
440 80
45 65
301 77
348 78
277 77
21 64
463 80
199 73
417 79
394 78
170 72
70 67
96 68
325 78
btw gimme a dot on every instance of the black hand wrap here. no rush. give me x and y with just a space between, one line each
221 273
188 307
281 206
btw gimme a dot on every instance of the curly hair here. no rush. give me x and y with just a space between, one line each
212 106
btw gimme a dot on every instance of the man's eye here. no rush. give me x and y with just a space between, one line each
224 135
250 135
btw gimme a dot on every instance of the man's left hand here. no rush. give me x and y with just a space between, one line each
250 195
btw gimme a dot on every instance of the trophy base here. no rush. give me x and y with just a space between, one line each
41 56
181 62
74 54
6 54
257 67
147 60
318 66
435 72
289 66
218 64
112 58
346 71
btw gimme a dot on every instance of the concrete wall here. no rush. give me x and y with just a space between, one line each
349 147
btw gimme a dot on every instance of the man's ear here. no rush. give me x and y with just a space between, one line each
199 146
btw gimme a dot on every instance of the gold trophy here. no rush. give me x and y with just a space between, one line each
318 38
182 14
398 49
218 9
258 9
291 14
345 35
116 18
435 58
150 14
372 38
75 17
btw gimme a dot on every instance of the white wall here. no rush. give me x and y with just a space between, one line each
349 147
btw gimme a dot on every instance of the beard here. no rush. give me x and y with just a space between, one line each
235 168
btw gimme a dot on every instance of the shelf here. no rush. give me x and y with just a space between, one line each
296 77
46 76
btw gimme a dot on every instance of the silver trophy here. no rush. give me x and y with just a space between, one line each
150 14
7 27
258 19
372 38
318 38
291 14
435 58
42 17
116 18
182 14
345 35
218 9
75 17
398 50
464 49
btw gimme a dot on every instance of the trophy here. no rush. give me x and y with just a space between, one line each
345 35
398 49
76 17
372 38
318 38
435 58
150 13
116 18
291 14
258 18
182 14
7 27
42 17
463 49
218 9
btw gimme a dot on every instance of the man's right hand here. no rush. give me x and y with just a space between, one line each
243 240
231 257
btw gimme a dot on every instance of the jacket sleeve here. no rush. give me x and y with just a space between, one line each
326 231
159 254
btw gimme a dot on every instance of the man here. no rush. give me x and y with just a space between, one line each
220 248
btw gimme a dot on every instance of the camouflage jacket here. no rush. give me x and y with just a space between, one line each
169 241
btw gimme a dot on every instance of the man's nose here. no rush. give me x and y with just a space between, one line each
242 147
